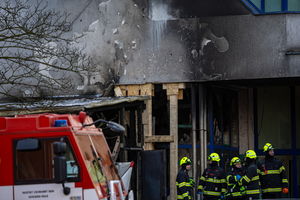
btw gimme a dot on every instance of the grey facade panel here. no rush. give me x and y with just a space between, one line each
164 54
256 48
225 48
293 44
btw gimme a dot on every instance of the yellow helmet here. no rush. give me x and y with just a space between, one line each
214 157
235 160
268 147
185 161
251 154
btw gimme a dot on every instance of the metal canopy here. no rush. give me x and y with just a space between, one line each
63 104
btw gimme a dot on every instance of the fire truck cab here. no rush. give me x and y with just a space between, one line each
56 157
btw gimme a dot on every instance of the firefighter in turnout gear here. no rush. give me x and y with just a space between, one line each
251 178
234 190
212 183
184 183
272 175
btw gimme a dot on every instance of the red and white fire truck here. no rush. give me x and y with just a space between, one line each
57 157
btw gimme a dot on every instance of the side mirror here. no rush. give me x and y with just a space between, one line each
60 165
59 148
60 169
115 127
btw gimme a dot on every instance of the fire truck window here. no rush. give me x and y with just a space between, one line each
36 165
72 166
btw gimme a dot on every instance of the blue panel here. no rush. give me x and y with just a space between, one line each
263 5
279 152
211 126
187 146
284 5
252 7
221 147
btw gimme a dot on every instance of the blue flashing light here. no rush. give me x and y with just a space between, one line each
60 123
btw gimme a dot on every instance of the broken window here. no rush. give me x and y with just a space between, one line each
225 118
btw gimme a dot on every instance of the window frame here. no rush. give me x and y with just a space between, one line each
39 181
261 11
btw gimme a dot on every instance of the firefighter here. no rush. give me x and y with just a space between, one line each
184 183
251 178
212 183
234 190
272 175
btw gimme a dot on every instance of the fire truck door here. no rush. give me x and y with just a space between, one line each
34 171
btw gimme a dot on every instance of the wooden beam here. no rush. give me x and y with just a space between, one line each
159 138
180 94
147 122
118 92
173 145
141 90
116 149
135 90
174 89
173 93
147 90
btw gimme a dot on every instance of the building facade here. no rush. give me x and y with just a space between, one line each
222 76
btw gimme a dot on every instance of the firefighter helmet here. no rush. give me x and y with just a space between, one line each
235 160
250 154
185 161
268 147
214 157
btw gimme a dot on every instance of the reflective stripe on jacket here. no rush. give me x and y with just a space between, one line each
251 181
184 187
272 175
233 187
212 182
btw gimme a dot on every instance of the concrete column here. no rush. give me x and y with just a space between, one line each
194 130
202 127
246 131
251 118
243 121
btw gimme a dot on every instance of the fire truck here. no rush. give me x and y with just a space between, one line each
58 157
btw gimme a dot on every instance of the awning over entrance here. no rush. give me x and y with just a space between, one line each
63 104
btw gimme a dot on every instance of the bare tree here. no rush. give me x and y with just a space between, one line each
35 53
